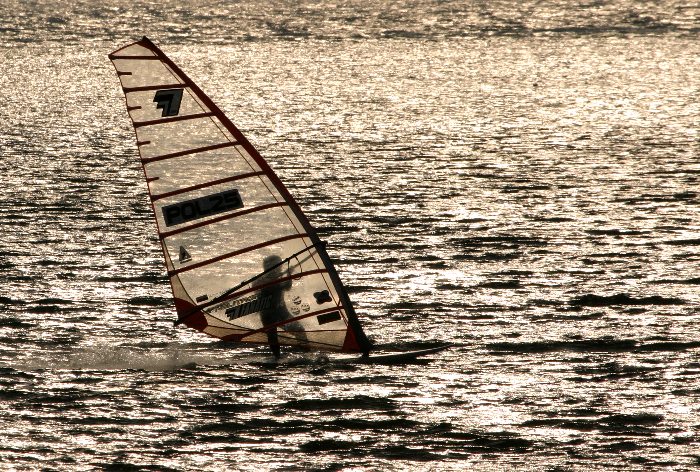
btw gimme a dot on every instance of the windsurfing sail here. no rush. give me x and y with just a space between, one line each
243 260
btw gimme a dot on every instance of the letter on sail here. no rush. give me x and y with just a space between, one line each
241 256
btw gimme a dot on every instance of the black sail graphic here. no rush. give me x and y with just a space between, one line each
241 256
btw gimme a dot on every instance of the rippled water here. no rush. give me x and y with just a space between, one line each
519 179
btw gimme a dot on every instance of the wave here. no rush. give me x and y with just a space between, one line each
691 281
12 322
618 423
149 301
586 345
148 277
499 241
683 242
591 345
358 402
504 284
623 299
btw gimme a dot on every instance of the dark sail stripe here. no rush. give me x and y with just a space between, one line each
139 124
221 218
237 253
307 343
138 58
145 88
205 185
147 160
288 336
241 293
292 320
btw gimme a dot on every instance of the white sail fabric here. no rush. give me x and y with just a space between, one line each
242 258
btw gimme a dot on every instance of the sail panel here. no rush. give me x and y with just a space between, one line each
242 258
193 169
213 241
137 73
205 201
310 300
211 281
133 50
143 109
300 329
179 136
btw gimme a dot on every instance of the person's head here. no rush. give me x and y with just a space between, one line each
271 261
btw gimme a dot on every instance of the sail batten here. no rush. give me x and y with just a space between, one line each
147 88
140 124
136 58
290 320
206 184
166 234
187 152
243 260
236 253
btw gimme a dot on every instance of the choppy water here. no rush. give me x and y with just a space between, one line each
520 179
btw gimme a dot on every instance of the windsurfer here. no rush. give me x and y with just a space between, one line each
276 311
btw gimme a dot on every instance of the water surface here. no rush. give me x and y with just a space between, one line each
519 179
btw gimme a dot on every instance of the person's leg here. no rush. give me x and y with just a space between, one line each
273 342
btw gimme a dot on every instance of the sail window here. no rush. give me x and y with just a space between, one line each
328 317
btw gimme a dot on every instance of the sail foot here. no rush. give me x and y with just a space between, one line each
193 319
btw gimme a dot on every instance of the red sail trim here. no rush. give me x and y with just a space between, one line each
350 343
205 185
188 151
221 218
138 58
212 321
145 88
225 326
290 320
236 253
306 344
194 320
139 124
331 347
241 293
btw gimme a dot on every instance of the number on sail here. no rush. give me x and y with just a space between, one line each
168 101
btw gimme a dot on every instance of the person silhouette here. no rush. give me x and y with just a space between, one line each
276 309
